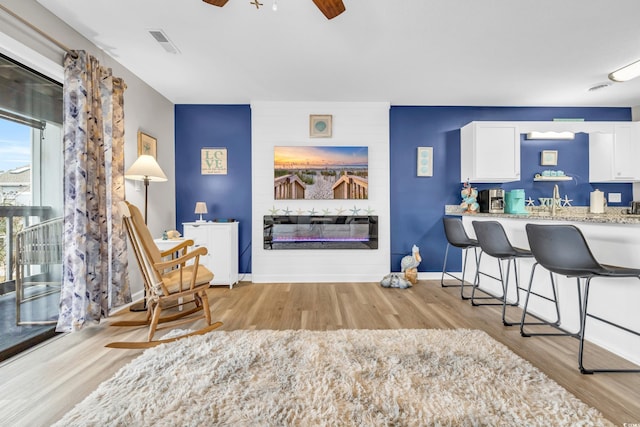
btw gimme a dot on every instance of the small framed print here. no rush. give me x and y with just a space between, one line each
549 158
320 126
425 161
213 161
146 144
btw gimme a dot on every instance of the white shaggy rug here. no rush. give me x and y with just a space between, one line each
333 378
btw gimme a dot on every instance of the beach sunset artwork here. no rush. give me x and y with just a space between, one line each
321 173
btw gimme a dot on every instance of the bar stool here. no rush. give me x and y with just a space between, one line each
494 242
562 249
457 237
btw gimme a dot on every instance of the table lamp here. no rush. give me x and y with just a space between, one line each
145 169
201 208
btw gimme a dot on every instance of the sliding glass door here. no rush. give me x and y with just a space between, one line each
31 188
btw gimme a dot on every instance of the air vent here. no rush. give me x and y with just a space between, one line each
164 41
599 86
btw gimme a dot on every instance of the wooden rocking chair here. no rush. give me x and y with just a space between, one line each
169 283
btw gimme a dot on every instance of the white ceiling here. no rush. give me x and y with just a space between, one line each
407 52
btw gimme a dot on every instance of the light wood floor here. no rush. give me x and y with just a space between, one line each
38 387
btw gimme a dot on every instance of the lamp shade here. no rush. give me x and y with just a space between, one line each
201 208
145 167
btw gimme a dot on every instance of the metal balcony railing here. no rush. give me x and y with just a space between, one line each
12 220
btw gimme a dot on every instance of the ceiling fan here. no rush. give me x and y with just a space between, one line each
330 8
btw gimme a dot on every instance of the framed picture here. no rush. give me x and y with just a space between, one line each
213 161
549 158
425 161
146 144
320 172
320 126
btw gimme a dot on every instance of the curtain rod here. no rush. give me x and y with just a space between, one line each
39 31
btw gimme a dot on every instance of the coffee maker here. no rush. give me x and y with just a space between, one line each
491 200
514 202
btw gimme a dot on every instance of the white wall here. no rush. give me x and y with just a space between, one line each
144 109
287 123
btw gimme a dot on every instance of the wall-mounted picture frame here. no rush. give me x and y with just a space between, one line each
147 145
320 172
425 161
320 125
549 158
213 161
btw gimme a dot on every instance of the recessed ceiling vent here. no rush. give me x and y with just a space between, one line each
164 41
599 86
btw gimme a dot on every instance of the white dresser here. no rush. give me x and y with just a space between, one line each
221 241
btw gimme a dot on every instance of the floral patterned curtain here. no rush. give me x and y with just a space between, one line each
95 253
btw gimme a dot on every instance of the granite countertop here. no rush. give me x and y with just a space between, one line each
611 215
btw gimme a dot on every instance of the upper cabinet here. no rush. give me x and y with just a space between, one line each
613 156
490 152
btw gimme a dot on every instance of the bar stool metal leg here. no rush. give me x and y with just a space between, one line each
493 241
464 268
476 284
457 237
506 291
554 300
585 314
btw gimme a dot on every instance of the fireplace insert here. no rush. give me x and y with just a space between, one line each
320 232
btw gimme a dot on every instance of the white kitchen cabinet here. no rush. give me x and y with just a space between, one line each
613 157
221 241
490 152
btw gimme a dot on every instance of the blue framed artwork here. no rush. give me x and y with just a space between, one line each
425 161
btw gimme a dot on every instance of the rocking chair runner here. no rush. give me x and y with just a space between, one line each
168 283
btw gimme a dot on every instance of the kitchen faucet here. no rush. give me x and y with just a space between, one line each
555 201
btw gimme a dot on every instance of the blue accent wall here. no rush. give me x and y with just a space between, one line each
227 196
417 203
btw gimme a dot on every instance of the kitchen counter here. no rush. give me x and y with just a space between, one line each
612 215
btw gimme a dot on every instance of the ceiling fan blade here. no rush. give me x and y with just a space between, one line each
218 3
330 8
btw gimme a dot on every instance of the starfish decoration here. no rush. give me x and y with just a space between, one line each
355 210
566 201
274 211
339 211
300 211
530 202
369 210
312 211
326 211
256 3
286 211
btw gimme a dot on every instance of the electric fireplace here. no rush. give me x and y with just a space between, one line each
320 232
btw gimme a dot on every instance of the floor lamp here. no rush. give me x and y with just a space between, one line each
145 169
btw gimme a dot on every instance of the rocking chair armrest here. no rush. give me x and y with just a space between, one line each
182 245
196 253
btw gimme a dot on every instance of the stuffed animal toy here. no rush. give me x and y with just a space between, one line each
395 280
